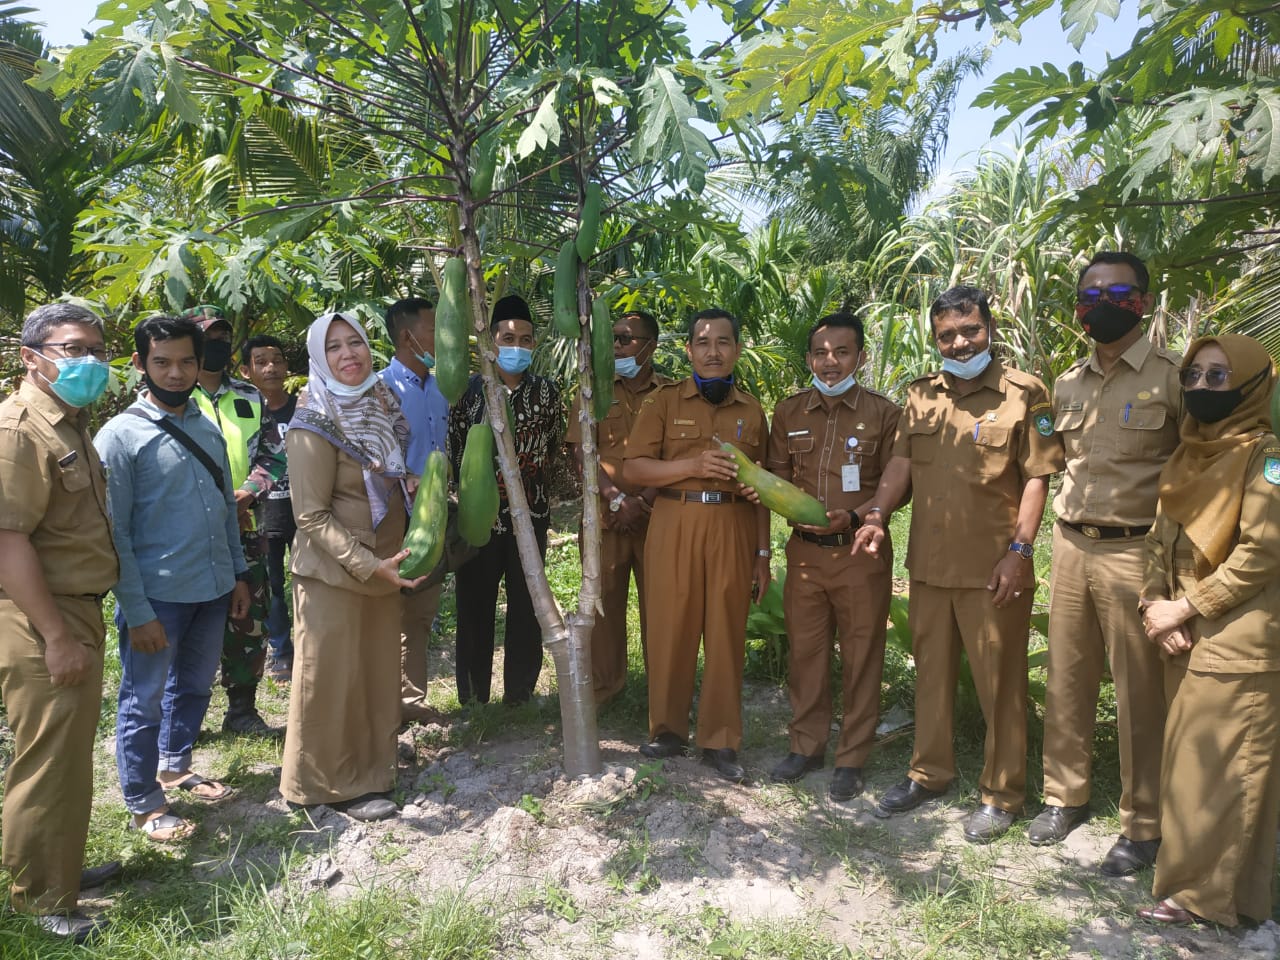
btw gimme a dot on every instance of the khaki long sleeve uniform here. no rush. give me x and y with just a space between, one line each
1118 429
53 489
1220 781
835 449
621 554
971 456
698 561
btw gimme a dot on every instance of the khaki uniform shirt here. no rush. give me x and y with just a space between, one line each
613 430
676 422
971 456
53 489
815 440
1118 430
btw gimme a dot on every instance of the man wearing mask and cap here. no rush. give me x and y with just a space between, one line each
57 561
707 548
257 459
411 327
625 508
833 441
1117 411
539 432
976 448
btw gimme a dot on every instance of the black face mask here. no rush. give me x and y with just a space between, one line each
170 398
216 355
715 389
1210 406
1107 322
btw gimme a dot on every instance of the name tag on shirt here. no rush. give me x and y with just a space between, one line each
850 478
1073 407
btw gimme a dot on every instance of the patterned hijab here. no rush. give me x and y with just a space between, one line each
1202 484
369 427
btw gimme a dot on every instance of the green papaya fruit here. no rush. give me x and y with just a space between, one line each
777 494
601 358
565 300
478 499
589 225
484 163
425 538
453 352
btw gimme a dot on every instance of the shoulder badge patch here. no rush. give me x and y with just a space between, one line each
1271 471
1044 425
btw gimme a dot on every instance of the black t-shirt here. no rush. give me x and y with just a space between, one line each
277 512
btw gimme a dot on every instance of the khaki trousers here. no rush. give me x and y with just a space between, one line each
1093 618
1220 793
830 595
344 703
698 559
621 555
419 608
944 619
49 785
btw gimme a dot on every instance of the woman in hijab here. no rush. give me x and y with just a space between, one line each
347 472
1211 600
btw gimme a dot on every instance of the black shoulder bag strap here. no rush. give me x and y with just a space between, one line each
184 438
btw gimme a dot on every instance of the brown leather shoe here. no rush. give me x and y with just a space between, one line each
1167 913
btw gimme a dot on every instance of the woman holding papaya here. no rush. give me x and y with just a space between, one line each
346 448
1211 600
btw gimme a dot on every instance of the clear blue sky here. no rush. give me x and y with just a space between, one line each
1043 40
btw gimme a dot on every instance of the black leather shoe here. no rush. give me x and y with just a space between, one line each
793 767
987 823
905 796
1127 856
846 783
91 877
665 744
371 806
725 762
73 926
1053 823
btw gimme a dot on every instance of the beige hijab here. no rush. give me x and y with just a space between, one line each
1203 483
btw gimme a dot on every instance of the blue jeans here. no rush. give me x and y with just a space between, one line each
280 613
164 696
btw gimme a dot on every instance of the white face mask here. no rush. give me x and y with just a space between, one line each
836 389
342 390
967 369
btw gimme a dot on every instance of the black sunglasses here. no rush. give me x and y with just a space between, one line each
1113 294
626 339
1214 377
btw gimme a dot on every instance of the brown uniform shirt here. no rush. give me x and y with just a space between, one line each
614 429
815 439
53 489
675 422
1118 430
970 458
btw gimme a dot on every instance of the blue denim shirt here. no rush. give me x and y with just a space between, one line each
425 409
177 535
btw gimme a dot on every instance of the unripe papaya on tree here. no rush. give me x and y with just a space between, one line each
478 499
484 155
453 356
425 538
565 301
601 358
589 225
777 494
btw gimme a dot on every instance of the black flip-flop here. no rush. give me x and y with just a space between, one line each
189 783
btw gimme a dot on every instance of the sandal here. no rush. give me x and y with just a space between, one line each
177 829
191 784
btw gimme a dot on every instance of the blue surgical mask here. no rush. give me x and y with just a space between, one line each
425 358
626 367
342 390
514 359
967 369
835 390
80 380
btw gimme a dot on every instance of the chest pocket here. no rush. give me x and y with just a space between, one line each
800 444
1143 434
993 448
923 438
613 429
75 475
685 431
865 450
1069 420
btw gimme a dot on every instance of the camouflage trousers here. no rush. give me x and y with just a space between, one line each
244 644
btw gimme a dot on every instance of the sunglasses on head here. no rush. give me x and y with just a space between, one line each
1214 377
1115 293
626 339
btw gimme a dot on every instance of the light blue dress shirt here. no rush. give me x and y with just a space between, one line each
425 409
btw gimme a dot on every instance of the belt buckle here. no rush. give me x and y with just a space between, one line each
712 496
1090 531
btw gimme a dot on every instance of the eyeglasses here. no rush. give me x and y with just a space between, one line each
1115 293
626 339
1214 377
77 351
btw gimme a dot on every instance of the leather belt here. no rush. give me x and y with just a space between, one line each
825 540
1094 532
700 496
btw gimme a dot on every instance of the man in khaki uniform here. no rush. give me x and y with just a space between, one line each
625 507
1117 412
57 560
707 545
976 446
833 441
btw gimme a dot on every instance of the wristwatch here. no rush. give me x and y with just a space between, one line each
766 553
616 503
1024 550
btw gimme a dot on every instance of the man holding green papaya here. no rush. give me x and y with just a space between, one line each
707 546
833 441
411 327
625 507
